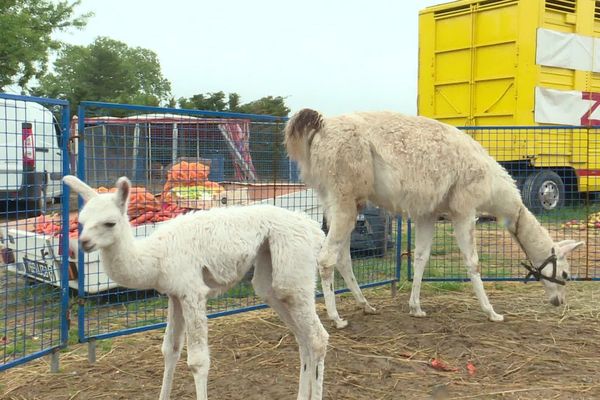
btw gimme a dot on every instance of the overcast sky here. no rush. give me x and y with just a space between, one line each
332 55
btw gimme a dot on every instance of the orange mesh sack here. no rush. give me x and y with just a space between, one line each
186 174
140 202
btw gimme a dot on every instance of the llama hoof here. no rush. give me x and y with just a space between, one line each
418 313
367 309
496 317
341 323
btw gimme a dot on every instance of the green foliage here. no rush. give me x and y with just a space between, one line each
106 70
209 101
26 28
234 101
266 105
216 101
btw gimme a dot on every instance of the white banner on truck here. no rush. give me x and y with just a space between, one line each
566 107
567 50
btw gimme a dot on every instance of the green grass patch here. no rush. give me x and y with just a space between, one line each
241 290
147 304
565 214
23 346
105 345
73 336
447 286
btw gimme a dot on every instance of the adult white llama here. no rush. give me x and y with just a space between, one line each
423 168
200 255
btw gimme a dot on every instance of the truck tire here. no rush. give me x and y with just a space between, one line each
543 191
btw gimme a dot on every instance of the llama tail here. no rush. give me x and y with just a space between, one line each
300 130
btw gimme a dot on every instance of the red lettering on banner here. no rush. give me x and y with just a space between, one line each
585 119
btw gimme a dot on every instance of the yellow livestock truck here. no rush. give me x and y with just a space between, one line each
523 77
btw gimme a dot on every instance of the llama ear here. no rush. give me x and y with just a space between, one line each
80 187
123 189
567 246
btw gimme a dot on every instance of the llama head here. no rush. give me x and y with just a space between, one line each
103 216
299 130
555 291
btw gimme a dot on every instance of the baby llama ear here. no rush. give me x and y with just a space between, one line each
123 189
80 187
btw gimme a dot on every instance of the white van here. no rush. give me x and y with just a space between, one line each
30 155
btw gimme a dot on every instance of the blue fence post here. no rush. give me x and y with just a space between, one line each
398 248
64 274
94 317
398 256
64 241
409 275
80 255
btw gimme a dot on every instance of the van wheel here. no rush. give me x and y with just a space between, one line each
543 190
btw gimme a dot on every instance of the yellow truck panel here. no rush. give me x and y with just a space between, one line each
479 65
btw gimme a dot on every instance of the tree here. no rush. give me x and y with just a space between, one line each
234 101
27 27
210 101
106 70
268 105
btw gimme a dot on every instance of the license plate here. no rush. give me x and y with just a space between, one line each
40 269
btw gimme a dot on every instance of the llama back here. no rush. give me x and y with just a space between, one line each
431 160
238 233
217 239
396 161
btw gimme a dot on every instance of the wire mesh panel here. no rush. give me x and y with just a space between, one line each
185 160
33 279
557 170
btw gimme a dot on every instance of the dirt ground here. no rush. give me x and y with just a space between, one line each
539 352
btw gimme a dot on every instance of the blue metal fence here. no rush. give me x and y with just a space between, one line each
235 159
245 161
34 136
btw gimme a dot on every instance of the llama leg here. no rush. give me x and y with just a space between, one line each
172 344
327 276
304 383
262 282
343 220
345 268
310 334
318 340
196 324
296 308
425 227
464 229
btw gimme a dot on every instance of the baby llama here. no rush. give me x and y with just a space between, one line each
200 255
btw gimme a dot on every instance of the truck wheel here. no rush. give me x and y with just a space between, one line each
543 191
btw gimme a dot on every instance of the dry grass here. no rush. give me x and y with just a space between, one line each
539 352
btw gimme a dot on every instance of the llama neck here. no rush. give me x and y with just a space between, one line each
533 238
127 265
